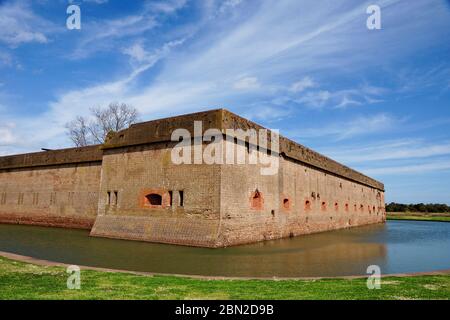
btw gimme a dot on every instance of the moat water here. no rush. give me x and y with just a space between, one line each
397 247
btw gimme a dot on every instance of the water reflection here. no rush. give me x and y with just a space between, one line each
398 246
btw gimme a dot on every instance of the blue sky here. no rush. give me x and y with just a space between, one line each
375 100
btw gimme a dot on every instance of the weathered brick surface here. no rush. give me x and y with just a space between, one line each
300 153
58 195
132 172
318 201
130 189
188 230
47 220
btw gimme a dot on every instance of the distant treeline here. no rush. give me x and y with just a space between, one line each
420 207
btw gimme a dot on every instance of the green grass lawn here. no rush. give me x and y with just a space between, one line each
19 280
443 217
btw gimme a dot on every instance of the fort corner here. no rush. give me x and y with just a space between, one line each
129 188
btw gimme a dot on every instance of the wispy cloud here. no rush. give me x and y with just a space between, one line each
390 158
303 84
166 6
100 36
247 83
142 58
107 34
94 1
279 53
32 133
410 169
228 5
286 37
7 136
19 24
5 59
358 126
266 113
284 41
340 99
412 81
389 150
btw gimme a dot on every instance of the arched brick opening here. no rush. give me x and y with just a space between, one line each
286 203
323 206
154 199
307 205
256 200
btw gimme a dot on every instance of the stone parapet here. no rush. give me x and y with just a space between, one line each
53 157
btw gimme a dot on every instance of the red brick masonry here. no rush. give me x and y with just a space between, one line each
114 189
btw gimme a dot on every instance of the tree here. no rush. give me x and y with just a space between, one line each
115 117
420 207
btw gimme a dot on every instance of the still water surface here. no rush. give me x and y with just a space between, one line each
397 246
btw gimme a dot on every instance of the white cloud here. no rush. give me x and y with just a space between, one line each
166 6
7 136
47 129
229 4
141 56
390 150
340 99
104 35
5 59
346 101
358 126
266 113
271 44
136 52
409 169
277 38
367 125
247 83
18 25
394 157
101 35
95 1
91 1
315 99
302 85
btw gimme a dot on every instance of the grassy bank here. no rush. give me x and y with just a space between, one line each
19 280
419 216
